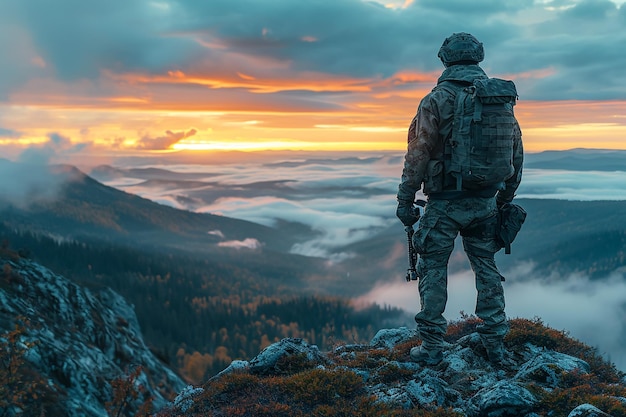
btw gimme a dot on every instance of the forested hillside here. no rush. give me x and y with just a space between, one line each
198 313
85 209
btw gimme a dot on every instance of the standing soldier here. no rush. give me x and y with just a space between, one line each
465 150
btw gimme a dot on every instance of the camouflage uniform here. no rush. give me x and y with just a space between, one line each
448 213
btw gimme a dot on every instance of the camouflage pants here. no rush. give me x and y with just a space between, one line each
442 221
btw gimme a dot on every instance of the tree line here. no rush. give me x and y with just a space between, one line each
197 313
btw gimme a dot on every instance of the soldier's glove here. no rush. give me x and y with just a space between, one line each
501 203
407 213
501 200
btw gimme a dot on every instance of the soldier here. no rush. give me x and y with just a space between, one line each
457 202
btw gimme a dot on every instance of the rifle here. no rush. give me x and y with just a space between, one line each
411 273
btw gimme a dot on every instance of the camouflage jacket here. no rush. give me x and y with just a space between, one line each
432 126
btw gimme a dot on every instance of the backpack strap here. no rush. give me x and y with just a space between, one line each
478 105
453 88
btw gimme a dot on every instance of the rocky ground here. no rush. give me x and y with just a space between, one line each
70 345
293 378
62 347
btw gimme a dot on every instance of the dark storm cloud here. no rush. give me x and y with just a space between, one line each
555 50
334 36
477 7
82 38
349 36
590 10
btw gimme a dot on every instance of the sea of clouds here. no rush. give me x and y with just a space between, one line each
591 311
347 199
344 200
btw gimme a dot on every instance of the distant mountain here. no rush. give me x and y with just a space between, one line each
107 173
198 282
572 236
85 209
578 160
559 237
70 344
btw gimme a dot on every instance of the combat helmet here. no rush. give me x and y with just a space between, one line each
461 47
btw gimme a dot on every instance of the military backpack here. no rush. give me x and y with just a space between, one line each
479 153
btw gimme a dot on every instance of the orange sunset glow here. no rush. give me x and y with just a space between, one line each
374 118
256 84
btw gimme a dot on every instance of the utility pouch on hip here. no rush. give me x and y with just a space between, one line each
510 220
433 178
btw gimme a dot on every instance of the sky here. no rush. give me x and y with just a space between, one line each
152 76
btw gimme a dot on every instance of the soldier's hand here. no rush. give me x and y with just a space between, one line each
407 213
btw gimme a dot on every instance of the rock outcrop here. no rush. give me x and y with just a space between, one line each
78 339
534 383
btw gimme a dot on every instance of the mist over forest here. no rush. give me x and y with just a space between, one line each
325 225
343 207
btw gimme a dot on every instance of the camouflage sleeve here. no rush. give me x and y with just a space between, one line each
506 195
422 137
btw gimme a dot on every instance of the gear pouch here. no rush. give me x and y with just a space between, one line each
511 217
425 225
433 178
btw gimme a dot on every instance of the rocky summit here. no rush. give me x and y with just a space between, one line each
547 374
65 349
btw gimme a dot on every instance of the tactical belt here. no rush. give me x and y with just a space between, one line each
458 195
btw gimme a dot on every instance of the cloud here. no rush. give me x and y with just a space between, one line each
322 73
349 201
247 243
217 233
591 10
164 142
343 201
32 177
591 311
80 40
335 223
56 147
22 184
480 7
353 38
573 185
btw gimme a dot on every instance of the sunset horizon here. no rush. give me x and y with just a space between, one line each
244 76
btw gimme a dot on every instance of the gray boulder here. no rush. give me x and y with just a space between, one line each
389 338
587 410
273 359
546 368
504 399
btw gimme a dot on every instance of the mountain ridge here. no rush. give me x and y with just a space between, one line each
84 208
578 159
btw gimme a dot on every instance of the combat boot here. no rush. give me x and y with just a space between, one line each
496 353
494 346
425 356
